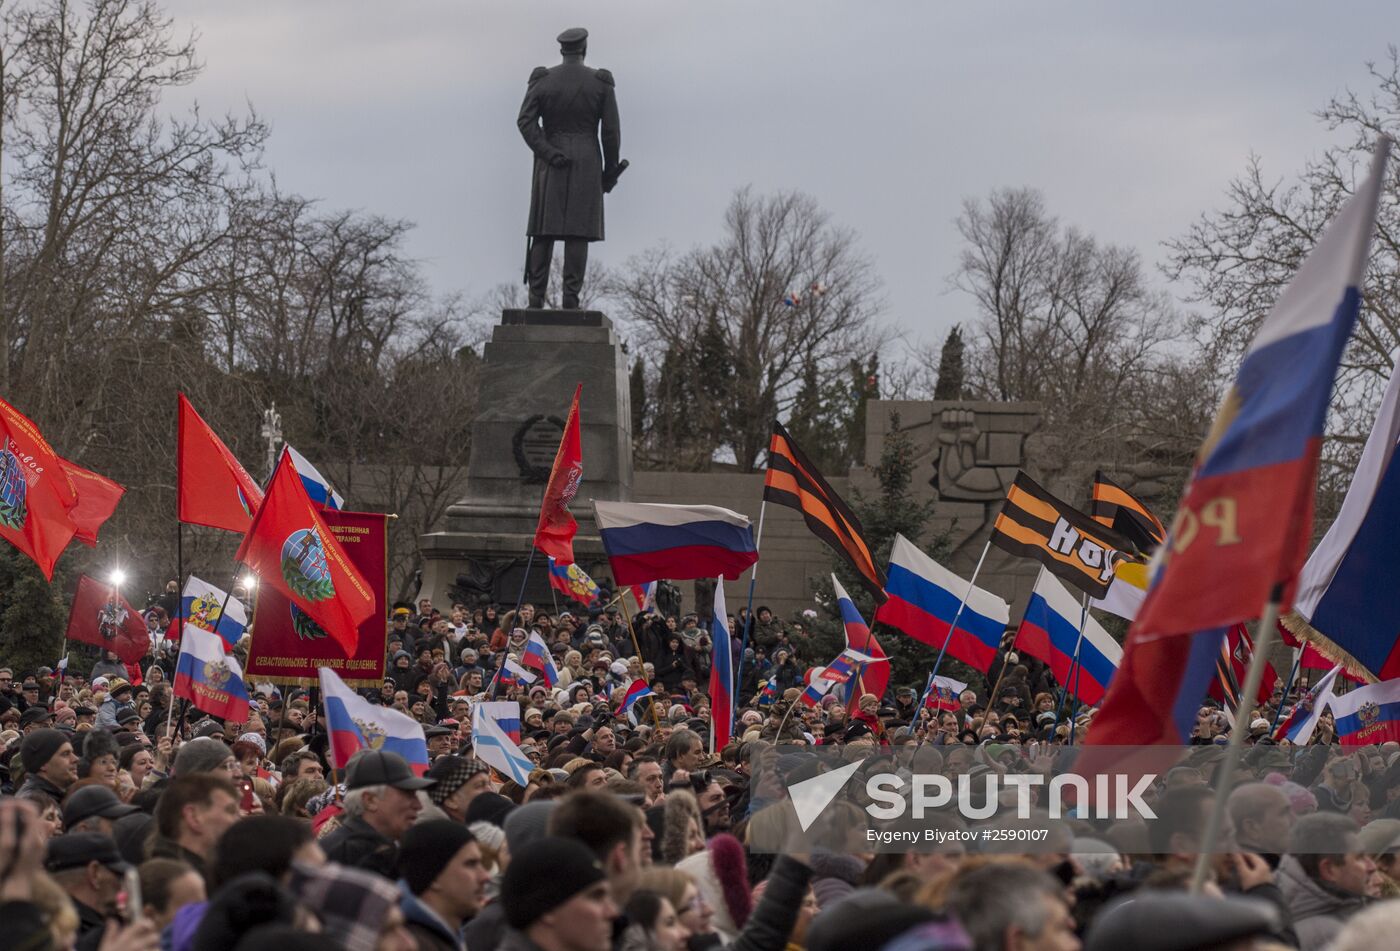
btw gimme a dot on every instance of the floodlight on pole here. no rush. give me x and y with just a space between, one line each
118 577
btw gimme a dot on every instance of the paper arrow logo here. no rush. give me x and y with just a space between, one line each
811 796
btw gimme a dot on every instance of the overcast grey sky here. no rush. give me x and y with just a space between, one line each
1130 117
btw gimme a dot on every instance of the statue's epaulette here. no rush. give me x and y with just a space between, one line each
539 72
606 76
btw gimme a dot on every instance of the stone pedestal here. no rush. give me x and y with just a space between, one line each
530 367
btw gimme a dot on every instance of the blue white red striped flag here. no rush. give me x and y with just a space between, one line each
924 598
1050 631
721 674
646 541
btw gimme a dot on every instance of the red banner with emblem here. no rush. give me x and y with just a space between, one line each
288 647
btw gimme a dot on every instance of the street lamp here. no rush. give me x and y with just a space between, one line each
118 577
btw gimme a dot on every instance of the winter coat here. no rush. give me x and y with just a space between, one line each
673 667
1319 911
357 844
430 931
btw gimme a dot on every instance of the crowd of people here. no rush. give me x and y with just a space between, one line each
132 821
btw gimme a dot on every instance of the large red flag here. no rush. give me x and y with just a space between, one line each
101 616
211 487
36 495
97 500
290 547
555 533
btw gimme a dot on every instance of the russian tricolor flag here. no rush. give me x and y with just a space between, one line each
505 714
646 541
645 596
924 597
1050 631
355 724
1368 715
209 678
537 656
875 677
944 696
318 487
209 608
721 674
636 692
513 675
1298 728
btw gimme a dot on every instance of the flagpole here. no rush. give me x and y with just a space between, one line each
1224 779
748 619
953 627
656 717
1297 661
1078 669
520 598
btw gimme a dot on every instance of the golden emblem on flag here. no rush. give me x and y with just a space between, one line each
216 674
1369 713
374 734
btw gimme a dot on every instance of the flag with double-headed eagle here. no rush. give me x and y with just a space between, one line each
209 678
102 617
554 535
573 582
290 548
354 724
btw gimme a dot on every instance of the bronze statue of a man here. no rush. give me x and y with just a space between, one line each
568 111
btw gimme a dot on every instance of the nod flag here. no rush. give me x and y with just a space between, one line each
876 677
494 747
102 617
211 488
355 724
924 598
554 535
1348 604
1076 548
290 548
97 500
721 674
573 582
1368 715
1247 513
1230 668
1123 512
209 678
537 657
944 696
635 693
208 608
793 481
646 541
1050 631
1303 719
37 497
318 487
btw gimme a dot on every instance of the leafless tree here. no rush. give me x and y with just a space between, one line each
1235 261
773 246
1063 320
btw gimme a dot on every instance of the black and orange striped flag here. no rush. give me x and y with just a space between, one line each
1074 547
793 481
1123 512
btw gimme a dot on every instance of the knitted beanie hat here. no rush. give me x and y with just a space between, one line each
427 848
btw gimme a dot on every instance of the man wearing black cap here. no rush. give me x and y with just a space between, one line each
445 883
556 897
564 110
380 806
88 867
35 718
50 765
94 809
457 780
